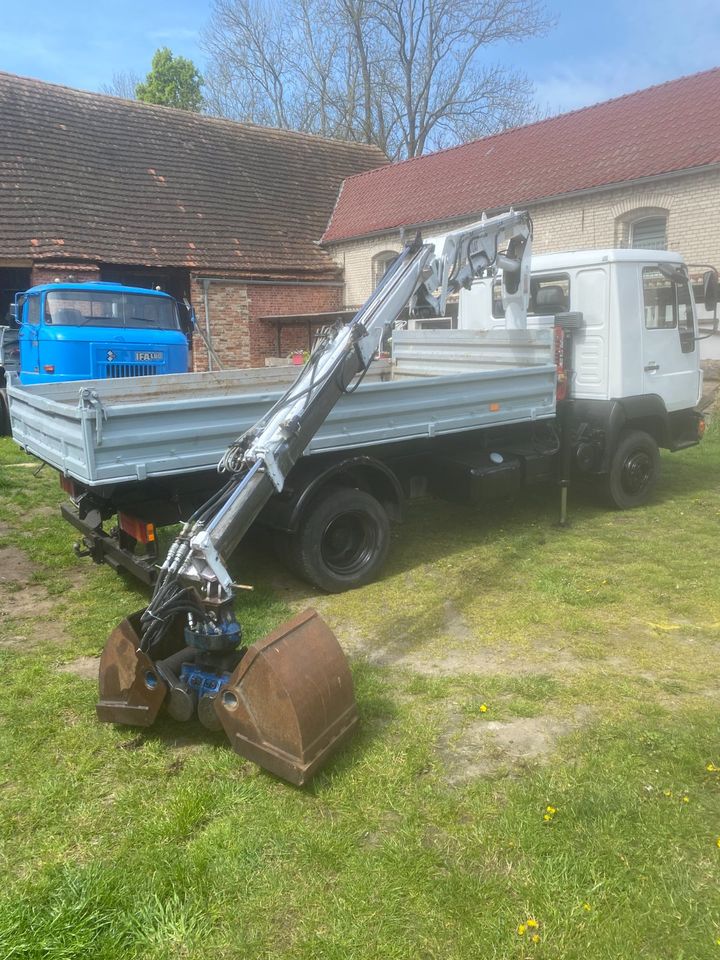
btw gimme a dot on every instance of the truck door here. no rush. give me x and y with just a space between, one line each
669 355
29 343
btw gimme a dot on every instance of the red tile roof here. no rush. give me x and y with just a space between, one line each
670 127
90 177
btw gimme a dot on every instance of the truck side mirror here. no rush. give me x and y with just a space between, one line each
16 309
710 290
187 317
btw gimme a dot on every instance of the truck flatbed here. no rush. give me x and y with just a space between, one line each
103 432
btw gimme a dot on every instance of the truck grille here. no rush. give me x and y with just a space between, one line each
115 370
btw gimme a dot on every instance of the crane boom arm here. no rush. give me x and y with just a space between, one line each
194 578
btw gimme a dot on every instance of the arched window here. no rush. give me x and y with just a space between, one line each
649 233
380 263
642 227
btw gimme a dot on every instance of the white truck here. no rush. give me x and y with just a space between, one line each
466 414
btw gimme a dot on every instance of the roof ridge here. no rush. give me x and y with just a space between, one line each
534 123
192 115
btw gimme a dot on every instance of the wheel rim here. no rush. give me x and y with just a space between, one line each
348 543
636 474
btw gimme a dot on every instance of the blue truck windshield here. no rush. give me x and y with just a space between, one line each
107 308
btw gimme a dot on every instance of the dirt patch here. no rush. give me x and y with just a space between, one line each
488 662
30 601
487 746
441 661
27 633
21 600
86 667
14 566
44 511
459 651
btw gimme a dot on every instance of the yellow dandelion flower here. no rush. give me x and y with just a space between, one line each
536 938
711 768
551 810
521 929
547 818
717 842
532 923
586 906
686 799
667 793
483 708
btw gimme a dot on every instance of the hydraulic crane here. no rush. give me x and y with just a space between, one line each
287 701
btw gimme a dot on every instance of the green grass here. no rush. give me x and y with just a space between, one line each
168 845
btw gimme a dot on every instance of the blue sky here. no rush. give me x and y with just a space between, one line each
596 50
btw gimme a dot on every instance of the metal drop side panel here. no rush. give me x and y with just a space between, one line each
443 382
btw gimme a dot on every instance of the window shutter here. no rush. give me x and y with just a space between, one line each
649 233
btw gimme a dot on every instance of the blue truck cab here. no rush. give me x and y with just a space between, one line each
89 331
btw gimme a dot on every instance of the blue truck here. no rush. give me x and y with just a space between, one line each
91 331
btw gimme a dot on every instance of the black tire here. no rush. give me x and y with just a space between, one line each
342 541
634 470
4 415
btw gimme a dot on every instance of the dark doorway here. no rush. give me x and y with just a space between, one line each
172 280
12 280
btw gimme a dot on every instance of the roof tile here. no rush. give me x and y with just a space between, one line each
670 127
86 176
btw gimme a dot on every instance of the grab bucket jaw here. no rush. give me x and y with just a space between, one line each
290 703
131 691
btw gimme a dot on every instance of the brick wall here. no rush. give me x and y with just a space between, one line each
48 273
591 221
239 337
284 300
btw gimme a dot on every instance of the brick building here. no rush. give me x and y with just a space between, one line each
227 214
640 170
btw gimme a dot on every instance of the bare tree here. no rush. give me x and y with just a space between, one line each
407 75
123 84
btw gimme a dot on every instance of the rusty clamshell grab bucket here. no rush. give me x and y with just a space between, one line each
288 706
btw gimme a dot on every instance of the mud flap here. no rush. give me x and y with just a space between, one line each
290 703
131 691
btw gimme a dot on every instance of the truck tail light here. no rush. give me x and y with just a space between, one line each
138 529
562 385
49 368
68 485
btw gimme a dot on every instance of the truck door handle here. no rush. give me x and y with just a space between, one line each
652 367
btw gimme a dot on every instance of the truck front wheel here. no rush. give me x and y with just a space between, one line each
342 541
634 470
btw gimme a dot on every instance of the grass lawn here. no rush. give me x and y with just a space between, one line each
535 776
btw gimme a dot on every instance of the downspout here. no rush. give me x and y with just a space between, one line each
206 303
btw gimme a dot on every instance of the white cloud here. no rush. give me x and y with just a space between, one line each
173 33
567 87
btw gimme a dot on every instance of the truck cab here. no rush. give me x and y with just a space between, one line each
87 331
637 343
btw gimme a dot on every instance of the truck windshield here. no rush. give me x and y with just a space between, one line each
107 308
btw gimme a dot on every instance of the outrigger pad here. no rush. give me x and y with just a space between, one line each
289 703
131 690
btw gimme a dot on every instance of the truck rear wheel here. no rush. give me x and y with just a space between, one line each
4 415
634 470
342 541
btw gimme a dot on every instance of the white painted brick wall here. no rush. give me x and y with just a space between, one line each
595 220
